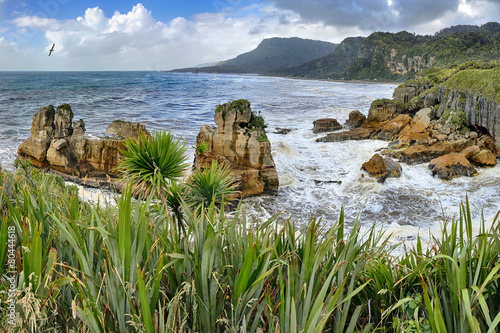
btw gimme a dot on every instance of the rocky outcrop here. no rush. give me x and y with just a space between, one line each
381 112
326 125
422 153
404 64
353 134
356 119
239 140
408 91
478 110
58 144
382 168
127 129
480 157
393 127
450 166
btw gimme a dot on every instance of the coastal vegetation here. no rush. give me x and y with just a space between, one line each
176 261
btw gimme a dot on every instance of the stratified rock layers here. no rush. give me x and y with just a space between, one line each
59 145
239 140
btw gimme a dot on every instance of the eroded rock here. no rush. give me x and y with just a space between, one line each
356 119
239 140
382 168
450 166
127 129
483 158
61 146
326 125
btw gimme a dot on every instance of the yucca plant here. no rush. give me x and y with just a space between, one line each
212 185
176 193
150 163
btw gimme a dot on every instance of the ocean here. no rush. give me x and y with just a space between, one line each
316 179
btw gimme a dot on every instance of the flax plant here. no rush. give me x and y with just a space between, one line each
461 293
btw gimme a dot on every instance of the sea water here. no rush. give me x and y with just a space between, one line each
316 179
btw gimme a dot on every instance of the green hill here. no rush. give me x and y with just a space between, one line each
399 56
329 66
272 54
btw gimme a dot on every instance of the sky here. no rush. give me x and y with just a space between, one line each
168 34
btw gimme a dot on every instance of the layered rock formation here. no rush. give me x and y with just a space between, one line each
58 144
127 129
326 125
239 140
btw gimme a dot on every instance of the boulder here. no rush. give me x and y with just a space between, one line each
283 131
60 146
416 132
127 129
450 166
399 144
326 125
469 151
356 119
423 117
381 168
35 147
239 140
483 158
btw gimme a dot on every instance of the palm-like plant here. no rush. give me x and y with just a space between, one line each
151 162
176 194
211 185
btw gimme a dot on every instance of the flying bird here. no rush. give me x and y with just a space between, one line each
52 49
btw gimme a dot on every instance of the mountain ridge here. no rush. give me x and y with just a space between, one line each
270 55
381 56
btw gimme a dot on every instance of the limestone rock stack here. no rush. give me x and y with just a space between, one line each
239 140
58 144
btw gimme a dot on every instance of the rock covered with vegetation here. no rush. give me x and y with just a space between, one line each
401 56
239 140
58 144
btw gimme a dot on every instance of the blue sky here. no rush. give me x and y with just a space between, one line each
162 35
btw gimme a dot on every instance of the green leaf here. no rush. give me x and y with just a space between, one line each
145 308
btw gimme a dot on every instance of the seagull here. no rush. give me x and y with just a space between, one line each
52 49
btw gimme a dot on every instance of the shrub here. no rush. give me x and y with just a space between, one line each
201 147
150 163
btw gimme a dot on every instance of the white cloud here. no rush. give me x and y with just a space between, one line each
136 40
41 23
475 12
